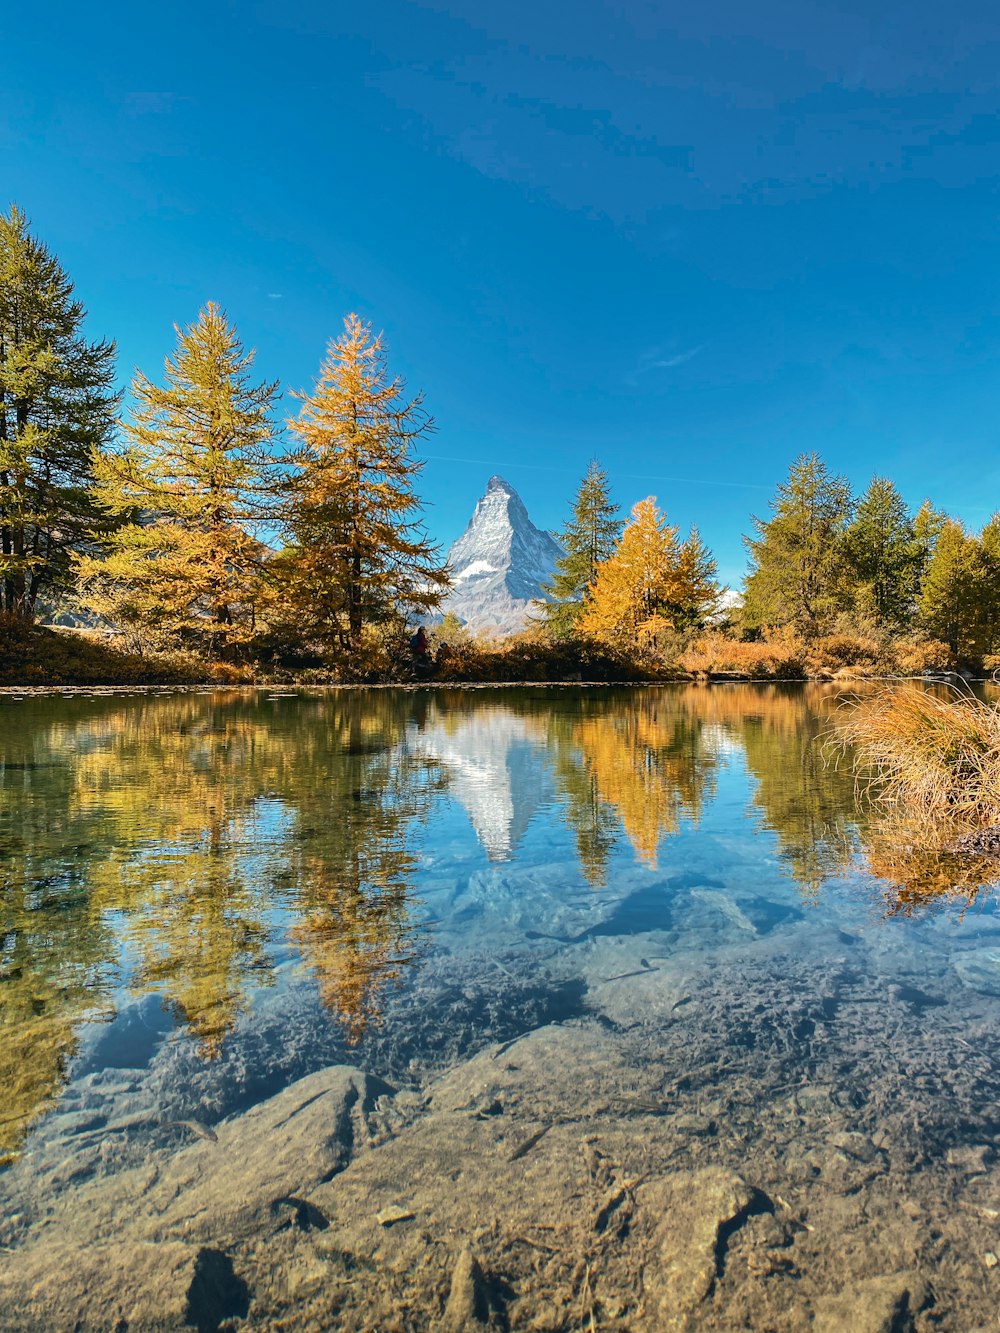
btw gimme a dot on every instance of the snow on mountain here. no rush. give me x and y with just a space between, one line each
500 563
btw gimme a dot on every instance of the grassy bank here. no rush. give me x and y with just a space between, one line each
38 656
31 655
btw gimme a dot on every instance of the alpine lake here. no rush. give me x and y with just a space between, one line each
542 1008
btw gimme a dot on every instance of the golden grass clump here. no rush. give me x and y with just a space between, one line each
716 654
933 756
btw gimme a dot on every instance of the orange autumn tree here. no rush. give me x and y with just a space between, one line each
651 582
357 554
630 596
190 492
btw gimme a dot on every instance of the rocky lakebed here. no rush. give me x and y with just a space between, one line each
625 1142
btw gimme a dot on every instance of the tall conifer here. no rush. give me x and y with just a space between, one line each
695 592
946 598
883 555
191 487
632 594
357 552
797 574
588 539
57 408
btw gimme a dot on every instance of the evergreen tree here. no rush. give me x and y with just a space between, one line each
947 601
56 409
928 524
588 539
633 593
982 630
191 486
358 555
883 555
796 559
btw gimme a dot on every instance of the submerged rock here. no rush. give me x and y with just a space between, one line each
170 1229
880 1305
697 1211
468 1304
979 969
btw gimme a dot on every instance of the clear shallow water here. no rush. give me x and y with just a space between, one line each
209 898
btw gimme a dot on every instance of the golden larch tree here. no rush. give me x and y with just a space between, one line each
634 587
191 487
357 554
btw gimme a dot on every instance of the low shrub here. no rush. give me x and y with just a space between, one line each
715 655
917 657
835 653
928 754
529 657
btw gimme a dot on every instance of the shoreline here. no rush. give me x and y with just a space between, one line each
285 689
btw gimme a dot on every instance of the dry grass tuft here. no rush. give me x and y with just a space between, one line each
932 756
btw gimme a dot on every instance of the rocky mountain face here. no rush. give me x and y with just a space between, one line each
500 563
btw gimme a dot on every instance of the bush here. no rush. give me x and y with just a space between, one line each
715 655
839 656
915 657
835 653
926 754
530 657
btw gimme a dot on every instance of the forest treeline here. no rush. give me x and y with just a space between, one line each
198 529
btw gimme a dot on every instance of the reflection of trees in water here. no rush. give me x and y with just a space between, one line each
350 855
629 763
181 824
339 794
801 794
919 870
205 830
55 957
640 765
177 781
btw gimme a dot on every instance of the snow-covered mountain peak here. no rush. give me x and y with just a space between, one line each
500 563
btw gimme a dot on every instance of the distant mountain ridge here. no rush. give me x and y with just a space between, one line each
500 564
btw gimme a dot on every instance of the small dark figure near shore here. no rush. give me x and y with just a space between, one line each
420 649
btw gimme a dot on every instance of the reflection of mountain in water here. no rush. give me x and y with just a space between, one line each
494 761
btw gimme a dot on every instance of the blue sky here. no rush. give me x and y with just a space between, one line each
692 240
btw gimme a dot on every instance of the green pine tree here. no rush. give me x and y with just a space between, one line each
984 589
57 409
797 574
947 602
883 555
928 524
695 589
588 539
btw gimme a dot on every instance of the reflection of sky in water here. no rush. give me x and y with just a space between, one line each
219 851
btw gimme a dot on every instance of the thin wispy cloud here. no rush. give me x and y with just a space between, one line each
275 296
663 358
667 362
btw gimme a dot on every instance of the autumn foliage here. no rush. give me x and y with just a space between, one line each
198 523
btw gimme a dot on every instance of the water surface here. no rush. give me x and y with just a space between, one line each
356 949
